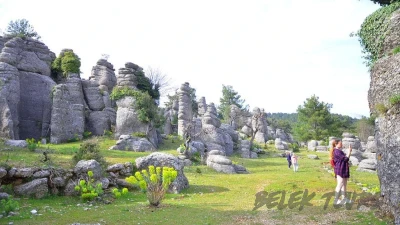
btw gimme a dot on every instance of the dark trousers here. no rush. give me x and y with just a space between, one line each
290 163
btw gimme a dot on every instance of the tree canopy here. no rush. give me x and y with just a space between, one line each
314 120
229 97
21 28
384 2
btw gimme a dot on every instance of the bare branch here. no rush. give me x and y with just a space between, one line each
157 77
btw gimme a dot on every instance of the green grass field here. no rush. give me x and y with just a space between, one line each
212 198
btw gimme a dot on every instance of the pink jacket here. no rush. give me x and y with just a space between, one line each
294 159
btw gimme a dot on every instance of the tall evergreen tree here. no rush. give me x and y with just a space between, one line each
21 28
314 120
229 97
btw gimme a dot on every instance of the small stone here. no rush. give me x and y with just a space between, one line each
86 209
34 212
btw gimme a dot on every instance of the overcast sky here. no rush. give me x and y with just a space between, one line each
275 53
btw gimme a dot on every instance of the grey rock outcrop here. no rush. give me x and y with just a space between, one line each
229 129
351 140
103 73
93 96
220 163
371 145
9 101
35 105
37 188
68 113
185 109
82 167
281 145
161 159
202 106
129 143
367 165
384 84
127 76
16 143
312 145
211 116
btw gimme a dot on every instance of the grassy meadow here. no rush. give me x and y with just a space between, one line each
212 198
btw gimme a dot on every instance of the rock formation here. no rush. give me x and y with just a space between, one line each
129 143
384 84
103 73
219 162
202 106
25 65
162 159
185 109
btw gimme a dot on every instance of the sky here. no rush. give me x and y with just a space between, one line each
274 53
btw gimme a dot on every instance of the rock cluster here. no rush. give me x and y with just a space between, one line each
219 162
185 109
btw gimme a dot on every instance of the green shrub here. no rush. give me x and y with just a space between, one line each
74 139
381 108
88 189
396 50
154 182
66 62
255 146
144 105
394 99
174 120
89 149
108 133
373 32
32 144
117 193
139 134
8 205
295 147
87 134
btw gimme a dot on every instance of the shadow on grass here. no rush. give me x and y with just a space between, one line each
204 189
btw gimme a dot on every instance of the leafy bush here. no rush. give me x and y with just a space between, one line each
255 146
381 108
8 205
88 189
66 62
108 133
117 193
89 149
396 50
32 144
87 134
373 32
395 99
154 181
139 134
144 105
295 147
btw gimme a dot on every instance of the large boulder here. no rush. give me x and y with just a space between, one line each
211 116
202 106
98 121
103 73
216 139
371 145
82 167
28 55
161 159
35 105
385 83
68 113
93 95
367 164
351 140
9 101
229 129
281 145
129 143
312 145
220 163
37 188
126 76
16 143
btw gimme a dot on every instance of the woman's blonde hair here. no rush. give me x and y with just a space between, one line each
333 145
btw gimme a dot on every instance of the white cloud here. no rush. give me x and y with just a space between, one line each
274 53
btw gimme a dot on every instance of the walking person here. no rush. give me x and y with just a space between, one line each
295 162
342 171
289 158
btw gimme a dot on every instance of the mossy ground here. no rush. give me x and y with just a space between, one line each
212 198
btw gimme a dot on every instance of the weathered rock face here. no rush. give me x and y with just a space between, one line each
161 159
259 123
371 145
202 106
281 145
229 129
185 108
103 73
35 105
9 101
126 76
127 118
28 55
68 113
312 145
93 96
129 143
384 84
219 162
37 188
216 139
351 140
16 143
